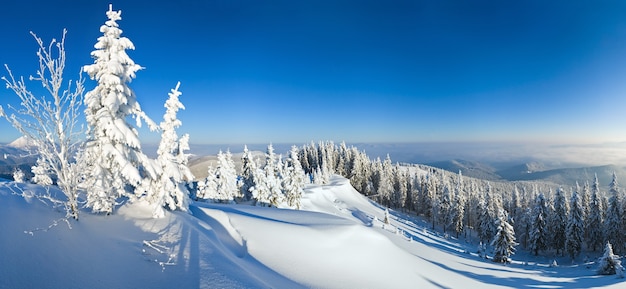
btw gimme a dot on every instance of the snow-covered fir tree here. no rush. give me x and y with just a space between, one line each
558 221
246 181
385 187
41 173
376 167
226 178
594 224
321 175
387 218
113 150
613 222
458 208
609 263
539 238
575 227
504 241
19 176
489 208
399 195
273 173
293 180
445 207
207 189
260 191
585 200
361 173
267 189
168 189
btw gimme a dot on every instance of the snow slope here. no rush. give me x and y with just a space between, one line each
337 241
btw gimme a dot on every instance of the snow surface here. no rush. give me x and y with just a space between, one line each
337 241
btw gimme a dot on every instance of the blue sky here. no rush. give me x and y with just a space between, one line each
356 71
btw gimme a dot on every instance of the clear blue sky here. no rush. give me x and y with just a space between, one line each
358 71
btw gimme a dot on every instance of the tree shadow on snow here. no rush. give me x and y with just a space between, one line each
517 282
200 250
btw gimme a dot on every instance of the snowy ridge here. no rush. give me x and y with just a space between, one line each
336 241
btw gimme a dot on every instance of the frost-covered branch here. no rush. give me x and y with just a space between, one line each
51 122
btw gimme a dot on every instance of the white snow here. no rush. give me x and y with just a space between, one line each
21 143
336 241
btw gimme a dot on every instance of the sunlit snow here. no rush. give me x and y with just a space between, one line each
336 241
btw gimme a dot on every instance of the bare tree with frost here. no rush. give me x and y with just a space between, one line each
113 150
51 123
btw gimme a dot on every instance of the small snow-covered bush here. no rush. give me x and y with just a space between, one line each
609 263
18 176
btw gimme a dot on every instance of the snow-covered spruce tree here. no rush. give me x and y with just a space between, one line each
411 193
387 218
594 224
226 178
504 241
429 198
444 207
248 166
538 238
293 180
613 222
385 187
207 189
585 200
399 195
376 167
558 221
168 189
41 171
458 207
260 191
360 173
609 263
574 229
51 124
321 175
113 150
489 209
19 176
267 189
273 173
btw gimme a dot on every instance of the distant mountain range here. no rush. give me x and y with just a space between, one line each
534 171
16 155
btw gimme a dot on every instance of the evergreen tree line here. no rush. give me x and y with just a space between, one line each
545 219
275 183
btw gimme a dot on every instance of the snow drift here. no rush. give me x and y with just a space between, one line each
337 241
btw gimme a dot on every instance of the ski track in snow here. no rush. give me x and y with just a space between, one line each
336 241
